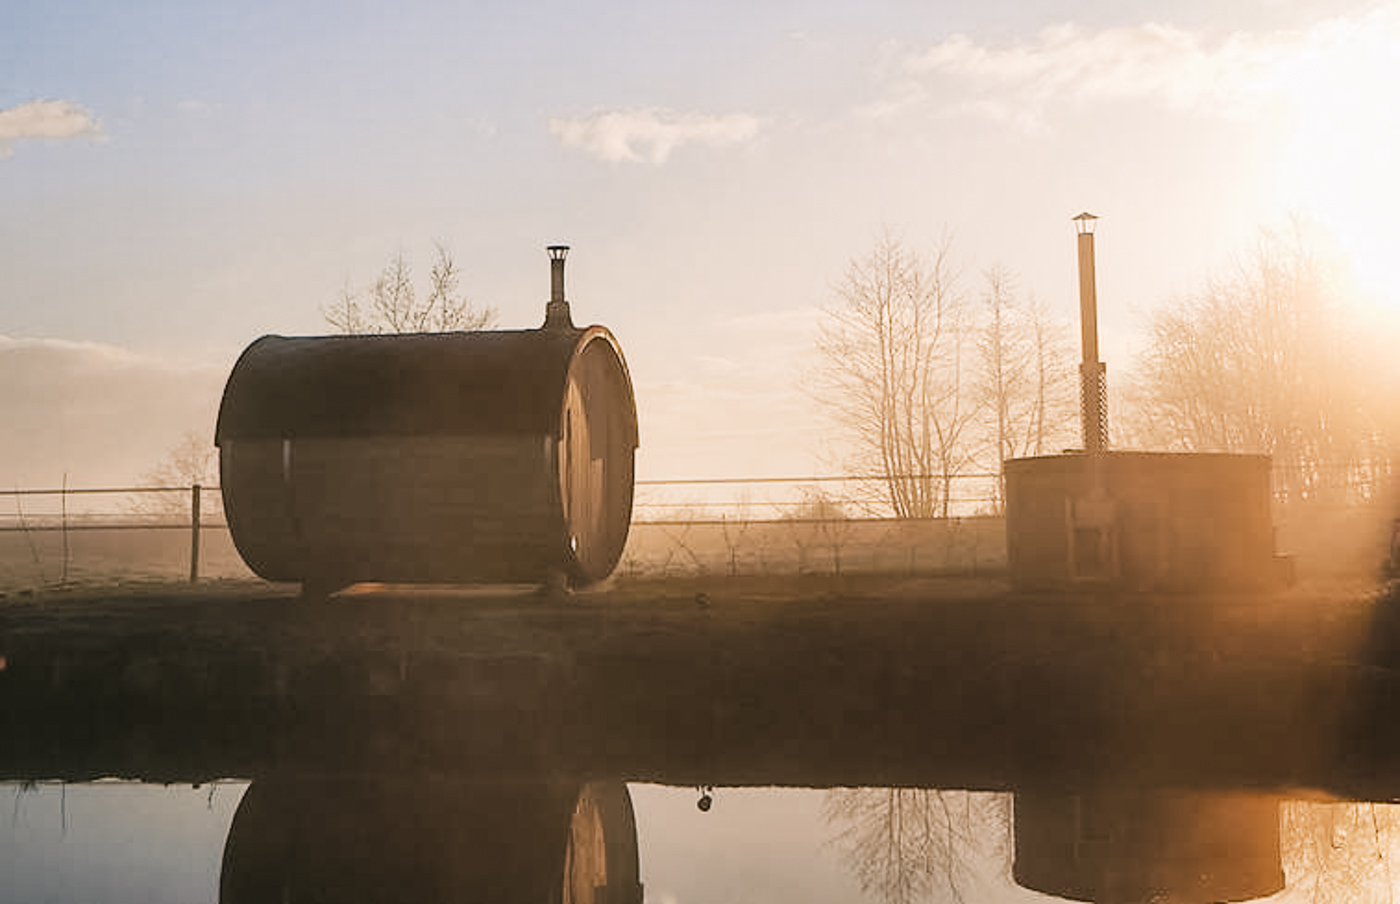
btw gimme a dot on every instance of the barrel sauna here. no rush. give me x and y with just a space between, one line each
468 457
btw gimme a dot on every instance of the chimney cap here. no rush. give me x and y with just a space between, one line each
557 252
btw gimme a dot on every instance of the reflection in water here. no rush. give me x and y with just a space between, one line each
1341 852
600 862
430 840
1124 846
906 844
113 842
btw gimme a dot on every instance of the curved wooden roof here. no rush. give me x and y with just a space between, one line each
501 381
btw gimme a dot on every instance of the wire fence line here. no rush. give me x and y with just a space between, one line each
65 535
813 498
691 499
109 509
106 507
664 500
724 525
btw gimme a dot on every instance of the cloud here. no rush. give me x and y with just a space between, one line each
643 134
53 119
1234 76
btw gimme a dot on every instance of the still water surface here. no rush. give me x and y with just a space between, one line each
128 842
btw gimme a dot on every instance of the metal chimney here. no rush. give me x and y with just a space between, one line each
556 312
1093 384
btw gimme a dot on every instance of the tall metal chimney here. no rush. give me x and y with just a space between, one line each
556 312
1093 383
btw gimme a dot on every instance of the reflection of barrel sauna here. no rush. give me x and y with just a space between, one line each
502 456
431 838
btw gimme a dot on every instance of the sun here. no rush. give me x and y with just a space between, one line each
1341 162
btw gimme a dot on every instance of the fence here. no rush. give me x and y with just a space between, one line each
67 536
68 513
728 526
972 494
840 497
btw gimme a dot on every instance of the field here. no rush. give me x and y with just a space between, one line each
1324 543
35 560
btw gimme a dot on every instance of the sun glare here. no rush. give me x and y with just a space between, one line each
1339 165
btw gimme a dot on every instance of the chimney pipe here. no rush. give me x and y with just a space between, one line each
1092 383
556 312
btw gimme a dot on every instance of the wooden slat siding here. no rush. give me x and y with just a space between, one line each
398 509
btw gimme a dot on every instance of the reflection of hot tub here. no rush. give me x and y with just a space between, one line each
1148 846
1141 520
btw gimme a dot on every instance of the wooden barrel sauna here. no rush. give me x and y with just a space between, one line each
473 457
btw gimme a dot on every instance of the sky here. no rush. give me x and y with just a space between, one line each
177 179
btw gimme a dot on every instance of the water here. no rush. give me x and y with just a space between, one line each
128 842
438 746
117 842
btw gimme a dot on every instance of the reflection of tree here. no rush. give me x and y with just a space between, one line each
907 844
1339 852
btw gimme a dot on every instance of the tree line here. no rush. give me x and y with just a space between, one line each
925 378
928 374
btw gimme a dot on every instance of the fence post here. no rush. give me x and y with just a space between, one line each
194 534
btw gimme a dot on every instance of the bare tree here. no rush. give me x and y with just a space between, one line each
193 460
345 314
903 844
1264 359
892 374
447 308
1025 384
819 518
732 531
391 305
392 298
